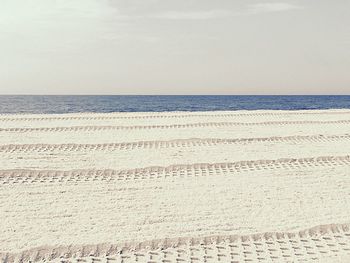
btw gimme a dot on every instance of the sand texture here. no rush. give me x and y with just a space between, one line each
192 187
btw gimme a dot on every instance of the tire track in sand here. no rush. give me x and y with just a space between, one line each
159 115
12 148
306 245
173 126
191 170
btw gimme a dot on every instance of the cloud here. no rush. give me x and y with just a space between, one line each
224 13
272 7
195 15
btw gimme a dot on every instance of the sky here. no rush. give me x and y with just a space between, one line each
174 47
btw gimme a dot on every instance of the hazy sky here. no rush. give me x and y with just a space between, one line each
174 47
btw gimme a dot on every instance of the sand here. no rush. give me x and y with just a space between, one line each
245 186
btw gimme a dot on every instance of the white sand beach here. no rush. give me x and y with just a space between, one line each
194 187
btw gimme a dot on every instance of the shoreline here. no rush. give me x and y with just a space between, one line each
200 112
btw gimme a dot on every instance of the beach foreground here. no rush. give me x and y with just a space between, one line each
244 186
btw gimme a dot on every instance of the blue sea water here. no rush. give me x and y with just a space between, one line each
67 104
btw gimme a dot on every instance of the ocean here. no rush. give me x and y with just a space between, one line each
70 104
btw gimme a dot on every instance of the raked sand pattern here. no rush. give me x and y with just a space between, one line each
245 186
